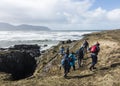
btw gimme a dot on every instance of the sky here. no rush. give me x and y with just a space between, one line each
62 14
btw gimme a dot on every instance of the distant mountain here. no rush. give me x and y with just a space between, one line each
9 27
6 26
31 27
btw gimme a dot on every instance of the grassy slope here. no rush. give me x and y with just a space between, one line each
107 74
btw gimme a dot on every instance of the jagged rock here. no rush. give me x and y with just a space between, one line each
33 50
43 51
19 64
68 41
65 42
3 49
45 45
62 42
19 60
74 40
25 47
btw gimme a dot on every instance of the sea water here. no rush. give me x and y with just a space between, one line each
49 38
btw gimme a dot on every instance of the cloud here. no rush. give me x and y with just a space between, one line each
64 12
114 15
95 16
42 10
23 10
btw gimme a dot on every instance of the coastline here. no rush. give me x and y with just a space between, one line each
48 74
107 39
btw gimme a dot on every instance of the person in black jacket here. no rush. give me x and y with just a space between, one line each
65 62
86 46
80 55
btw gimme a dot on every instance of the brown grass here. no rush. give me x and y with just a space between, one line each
48 73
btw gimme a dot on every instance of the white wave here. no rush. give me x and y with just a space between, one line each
40 35
8 38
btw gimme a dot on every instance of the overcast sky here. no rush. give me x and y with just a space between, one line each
62 14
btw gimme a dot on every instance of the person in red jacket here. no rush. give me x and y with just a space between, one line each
94 52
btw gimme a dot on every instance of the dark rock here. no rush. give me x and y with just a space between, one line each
62 42
43 51
45 45
19 60
74 40
18 64
25 47
33 50
65 42
2 49
69 41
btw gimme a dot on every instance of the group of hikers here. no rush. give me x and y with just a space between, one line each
69 58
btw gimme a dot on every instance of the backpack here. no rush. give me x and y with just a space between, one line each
93 49
80 52
65 60
71 59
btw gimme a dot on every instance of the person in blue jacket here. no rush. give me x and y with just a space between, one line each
72 59
62 50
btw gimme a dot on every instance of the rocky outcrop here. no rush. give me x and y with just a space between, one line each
19 60
66 42
19 64
33 50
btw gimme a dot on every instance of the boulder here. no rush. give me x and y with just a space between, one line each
45 45
26 47
68 41
19 64
19 60
62 42
65 42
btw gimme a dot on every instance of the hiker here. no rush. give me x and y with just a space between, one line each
86 46
66 64
62 50
80 56
67 50
94 52
72 59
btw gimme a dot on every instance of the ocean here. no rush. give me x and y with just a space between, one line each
49 38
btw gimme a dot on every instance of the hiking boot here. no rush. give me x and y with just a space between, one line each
94 68
80 66
74 69
65 75
60 68
90 68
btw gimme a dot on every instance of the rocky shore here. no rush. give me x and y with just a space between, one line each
47 72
